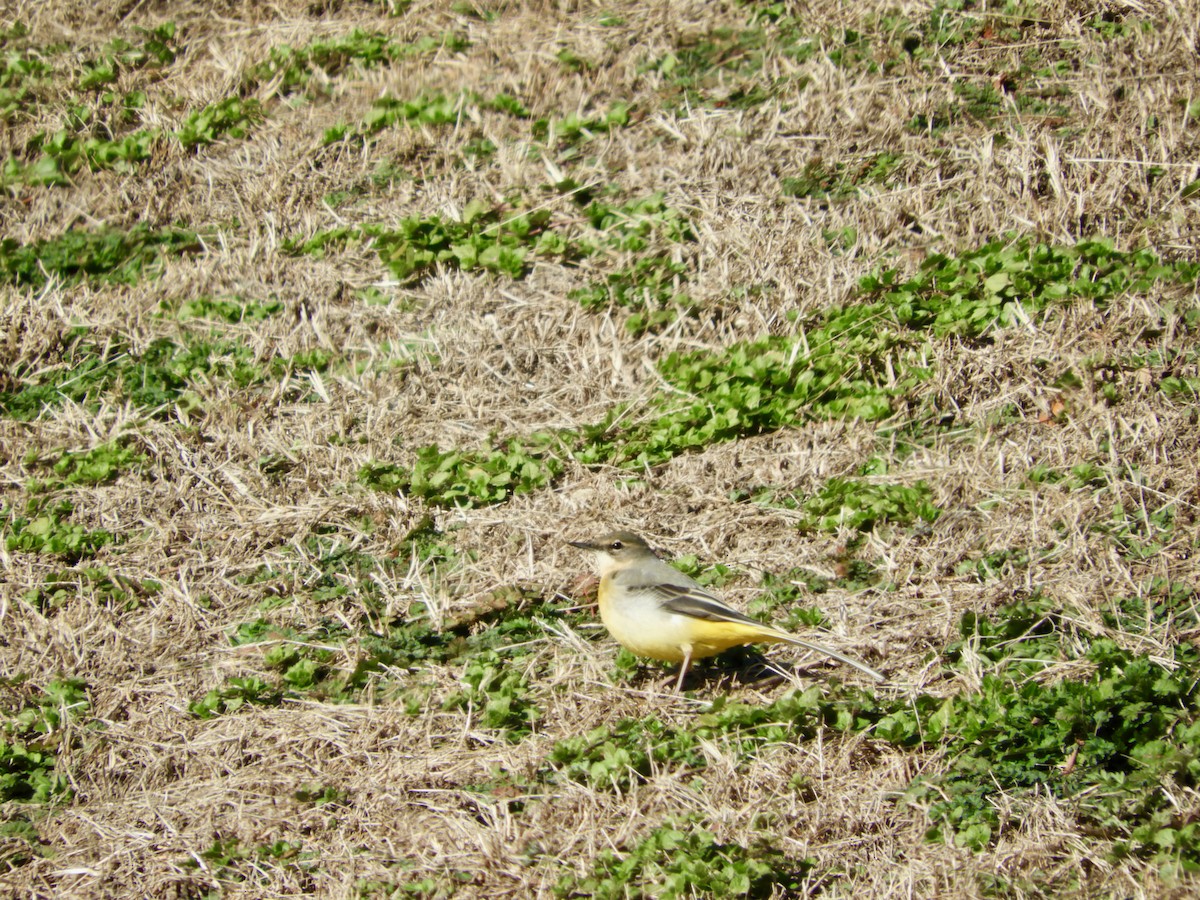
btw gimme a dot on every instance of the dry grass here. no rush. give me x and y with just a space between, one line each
154 787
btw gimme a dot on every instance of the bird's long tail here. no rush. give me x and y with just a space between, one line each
817 648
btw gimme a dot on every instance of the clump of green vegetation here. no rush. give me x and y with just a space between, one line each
753 388
30 738
846 362
632 225
1079 477
850 362
102 464
92 135
98 583
785 593
427 109
1158 605
232 117
19 841
484 238
686 861
564 135
64 153
838 181
1006 282
28 78
1114 741
104 255
45 529
616 756
229 861
24 73
334 660
1142 531
492 239
233 695
852 503
164 374
497 695
155 50
862 505
292 69
231 310
651 290
573 129
458 478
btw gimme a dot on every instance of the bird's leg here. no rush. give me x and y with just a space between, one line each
683 667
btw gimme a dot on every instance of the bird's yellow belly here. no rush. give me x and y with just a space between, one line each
645 629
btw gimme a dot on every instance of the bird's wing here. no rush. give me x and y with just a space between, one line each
698 603
690 600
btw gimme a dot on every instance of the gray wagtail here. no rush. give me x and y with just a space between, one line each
654 610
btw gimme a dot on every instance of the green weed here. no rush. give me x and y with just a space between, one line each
30 738
785 594
838 181
236 693
497 696
1003 283
847 362
617 756
28 774
292 69
24 74
1182 390
1113 742
457 478
724 66
65 153
232 117
27 77
97 583
19 840
232 310
483 239
102 464
686 861
105 255
862 505
752 388
1140 532
229 861
1158 606
317 794
334 661
427 109
632 225
651 290
155 50
999 563
164 374
574 129
45 529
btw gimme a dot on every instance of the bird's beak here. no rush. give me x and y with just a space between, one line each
584 545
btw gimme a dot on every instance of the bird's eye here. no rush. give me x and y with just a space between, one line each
615 545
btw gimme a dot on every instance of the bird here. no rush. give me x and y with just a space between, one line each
654 610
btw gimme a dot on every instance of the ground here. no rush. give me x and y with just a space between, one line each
327 326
